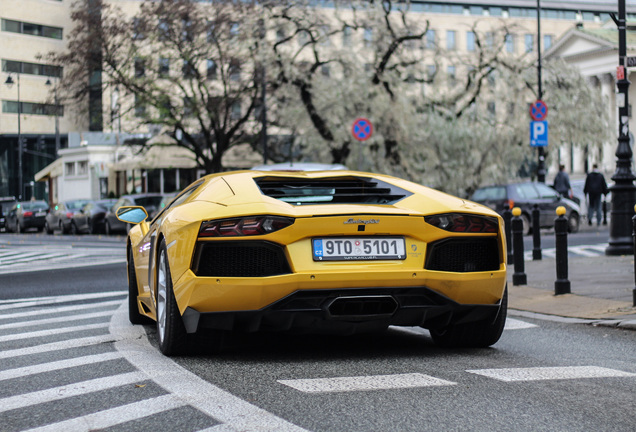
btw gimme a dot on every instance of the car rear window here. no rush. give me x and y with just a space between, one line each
34 206
494 193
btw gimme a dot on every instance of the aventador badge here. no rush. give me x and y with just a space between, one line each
362 221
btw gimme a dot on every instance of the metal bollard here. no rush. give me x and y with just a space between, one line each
519 276
562 284
634 236
507 217
536 233
604 211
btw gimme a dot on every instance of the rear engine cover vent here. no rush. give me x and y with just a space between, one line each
332 190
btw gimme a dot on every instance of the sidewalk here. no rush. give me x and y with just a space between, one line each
601 290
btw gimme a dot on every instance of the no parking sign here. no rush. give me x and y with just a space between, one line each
362 129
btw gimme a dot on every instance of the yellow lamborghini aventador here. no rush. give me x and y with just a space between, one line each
329 251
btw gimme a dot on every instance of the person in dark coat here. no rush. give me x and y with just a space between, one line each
562 183
595 187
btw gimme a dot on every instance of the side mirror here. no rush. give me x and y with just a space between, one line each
130 214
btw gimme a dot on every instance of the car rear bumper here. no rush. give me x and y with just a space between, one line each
346 311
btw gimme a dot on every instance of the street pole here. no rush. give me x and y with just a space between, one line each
540 149
623 190
57 119
9 83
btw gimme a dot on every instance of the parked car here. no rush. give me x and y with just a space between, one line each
167 198
5 205
26 214
91 218
60 216
525 195
149 201
329 251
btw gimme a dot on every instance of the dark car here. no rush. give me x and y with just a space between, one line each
167 198
91 218
61 214
525 196
5 205
149 201
26 214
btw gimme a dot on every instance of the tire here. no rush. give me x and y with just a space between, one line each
89 226
18 227
134 315
573 223
171 332
527 226
47 228
74 229
107 229
479 334
62 229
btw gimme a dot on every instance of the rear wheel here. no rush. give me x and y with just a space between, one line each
527 227
48 228
74 229
134 315
573 223
107 228
479 334
171 332
18 227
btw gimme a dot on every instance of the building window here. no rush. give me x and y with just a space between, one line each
451 74
490 39
11 107
140 107
164 30
491 107
280 35
140 67
188 106
32 29
188 70
431 70
186 30
346 36
82 167
470 41
69 168
325 71
430 39
235 110
368 37
234 29
324 36
450 40
138 33
547 42
210 32
164 67
510 43
529 42
211 70
31 68
235 70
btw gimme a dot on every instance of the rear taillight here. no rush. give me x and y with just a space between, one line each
28 214
463 223
509 203
69 215
245 226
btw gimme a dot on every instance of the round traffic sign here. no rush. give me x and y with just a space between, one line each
538 110
362 129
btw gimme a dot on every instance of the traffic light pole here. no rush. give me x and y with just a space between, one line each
623 190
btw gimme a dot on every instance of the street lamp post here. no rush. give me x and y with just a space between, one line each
57 118
540 149
623 190
9 82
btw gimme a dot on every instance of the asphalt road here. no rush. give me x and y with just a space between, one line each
73 362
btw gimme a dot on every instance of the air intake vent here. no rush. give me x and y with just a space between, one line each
464 255
332 190
239 259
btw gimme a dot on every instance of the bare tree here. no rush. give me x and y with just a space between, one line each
187 67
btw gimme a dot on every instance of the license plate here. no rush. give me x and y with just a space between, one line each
358 248
40 213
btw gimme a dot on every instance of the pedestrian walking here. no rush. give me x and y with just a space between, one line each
562 183
595 186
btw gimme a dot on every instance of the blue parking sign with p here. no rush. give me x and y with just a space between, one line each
539 133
